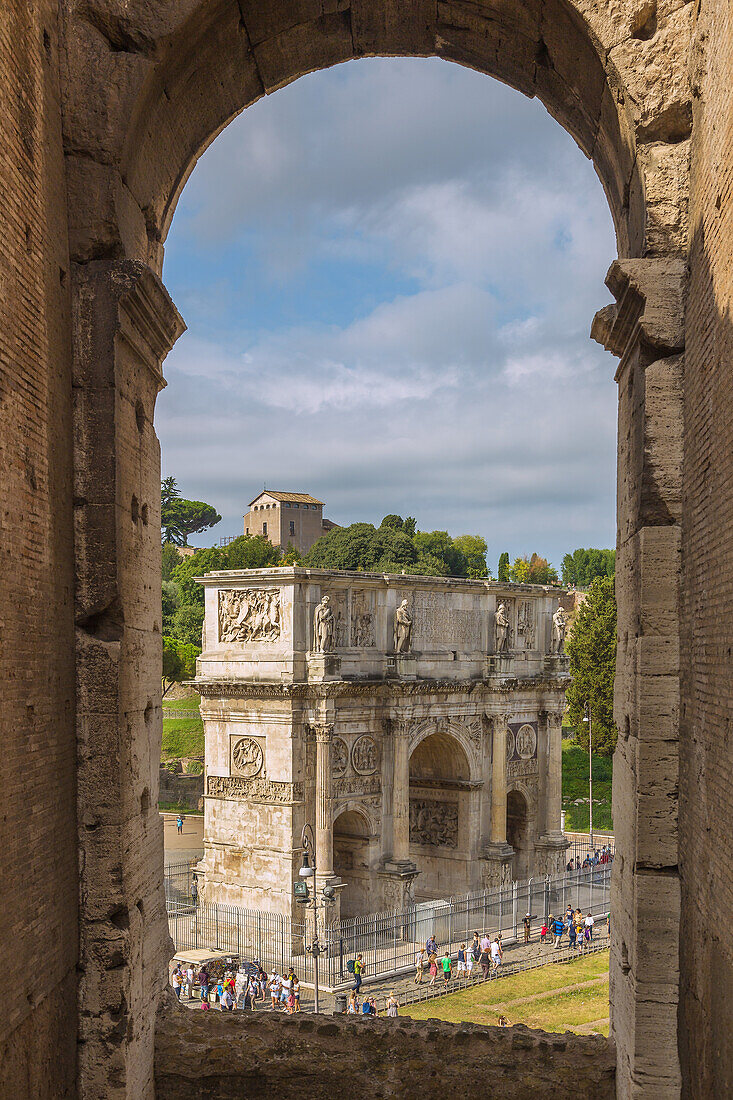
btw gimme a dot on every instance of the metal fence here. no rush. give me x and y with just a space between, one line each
580 848
387 942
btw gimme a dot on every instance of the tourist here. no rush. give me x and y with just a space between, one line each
205 1004
392 1005
287 987
445 962
543 933
461 964
252 993
358 972
352 1006
558 928
177 981
589 922
220 991
431 946
194 892
227 1001
274 984
433 961
189 981
527 923
568 914
372 1007
476 947
485 958
496 953
366 1008
204 982
580 932
572 935
179 824
296 993
419 964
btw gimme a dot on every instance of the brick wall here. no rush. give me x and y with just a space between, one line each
706 764
37 761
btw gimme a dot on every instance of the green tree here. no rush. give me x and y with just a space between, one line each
592 651
179 662
519 572
171 598
187 622
582 566
179 517
534 570
169 559
503 570
474 550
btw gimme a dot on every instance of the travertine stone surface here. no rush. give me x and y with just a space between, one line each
107 105
392 749
220 1055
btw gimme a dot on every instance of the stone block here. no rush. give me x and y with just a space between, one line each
304 48
393 27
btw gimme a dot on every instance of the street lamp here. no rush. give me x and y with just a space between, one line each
588 718
302 894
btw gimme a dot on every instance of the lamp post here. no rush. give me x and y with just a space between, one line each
587 717
308 871
302 894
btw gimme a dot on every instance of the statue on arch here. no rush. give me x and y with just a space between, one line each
559 628
402 629
323 624
501 629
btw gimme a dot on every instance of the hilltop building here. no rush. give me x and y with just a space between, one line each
287 519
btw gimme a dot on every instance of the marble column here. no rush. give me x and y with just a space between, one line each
324 829
401 795
498 781
553 799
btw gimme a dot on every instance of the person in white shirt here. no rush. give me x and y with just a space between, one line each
177 981
495 954
189 981
589 922
274 983
419 964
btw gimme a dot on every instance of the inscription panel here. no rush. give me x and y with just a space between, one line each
435 623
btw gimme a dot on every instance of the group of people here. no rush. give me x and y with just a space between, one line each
578 927
593 859
242 988
484 952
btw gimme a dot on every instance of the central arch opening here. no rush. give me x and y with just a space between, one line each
441 801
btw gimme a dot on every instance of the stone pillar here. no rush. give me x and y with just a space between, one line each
553 794
401 794
124 325
497 854
324 826
498 780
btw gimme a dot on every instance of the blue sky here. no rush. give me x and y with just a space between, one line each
388 271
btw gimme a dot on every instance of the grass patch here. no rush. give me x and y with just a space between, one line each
191 703
555 1009
575 769
182 737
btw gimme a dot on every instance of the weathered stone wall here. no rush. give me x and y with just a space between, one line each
706 764
38 912
219 1055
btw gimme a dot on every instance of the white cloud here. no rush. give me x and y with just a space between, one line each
457 382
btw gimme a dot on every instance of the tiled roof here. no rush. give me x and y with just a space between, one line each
295 498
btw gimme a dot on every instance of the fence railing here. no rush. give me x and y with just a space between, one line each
387 942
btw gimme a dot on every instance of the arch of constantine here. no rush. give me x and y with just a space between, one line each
106 106
416 722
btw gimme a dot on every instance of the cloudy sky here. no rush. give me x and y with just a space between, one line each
388 271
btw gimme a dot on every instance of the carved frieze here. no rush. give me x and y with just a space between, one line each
516 768
433 823
247 757
526 624
435 622
365 755
356 785
249 615
362 619
339 756
253 790
526 741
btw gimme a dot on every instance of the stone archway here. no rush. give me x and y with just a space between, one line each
517 832
146 88
443 816
352 863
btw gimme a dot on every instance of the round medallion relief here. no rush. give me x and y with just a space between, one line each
340 756
509 743
247 757
526 742
365 755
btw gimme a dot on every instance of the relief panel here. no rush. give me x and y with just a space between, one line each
362 619
249 615
433 823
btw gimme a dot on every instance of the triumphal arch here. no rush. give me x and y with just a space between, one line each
414 721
